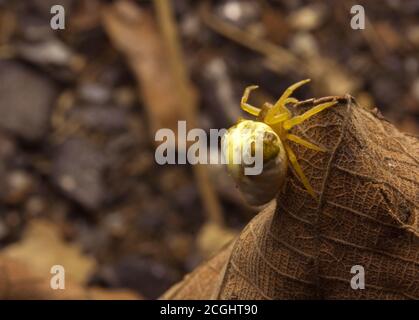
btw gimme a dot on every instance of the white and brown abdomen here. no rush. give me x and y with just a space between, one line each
241 139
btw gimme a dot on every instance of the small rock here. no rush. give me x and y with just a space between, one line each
26 99
102 118
308 18
94 93
78 169
15 186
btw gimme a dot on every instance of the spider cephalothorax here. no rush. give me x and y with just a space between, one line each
273 122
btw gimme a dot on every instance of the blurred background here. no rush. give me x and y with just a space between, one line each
79 107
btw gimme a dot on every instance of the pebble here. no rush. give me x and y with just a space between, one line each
26 100
78 168
307 18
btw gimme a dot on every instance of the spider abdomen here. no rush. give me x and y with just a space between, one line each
259 188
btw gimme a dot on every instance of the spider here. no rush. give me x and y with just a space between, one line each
280 119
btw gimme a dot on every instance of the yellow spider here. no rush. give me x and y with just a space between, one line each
281 120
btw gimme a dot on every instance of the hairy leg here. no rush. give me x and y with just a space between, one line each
303 142
293 160
288 124
279 106
247 107
272 120
290 100
281 101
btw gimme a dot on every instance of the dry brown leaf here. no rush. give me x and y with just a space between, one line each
204 282
42 247
366 214
18 281
25 268
134 32
212 237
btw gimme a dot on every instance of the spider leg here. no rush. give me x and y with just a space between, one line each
247 107
279 106
285 115
288 124
290 100
293 160
303 142
277 118
281 101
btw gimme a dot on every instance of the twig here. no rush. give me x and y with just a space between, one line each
284 60
169 33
